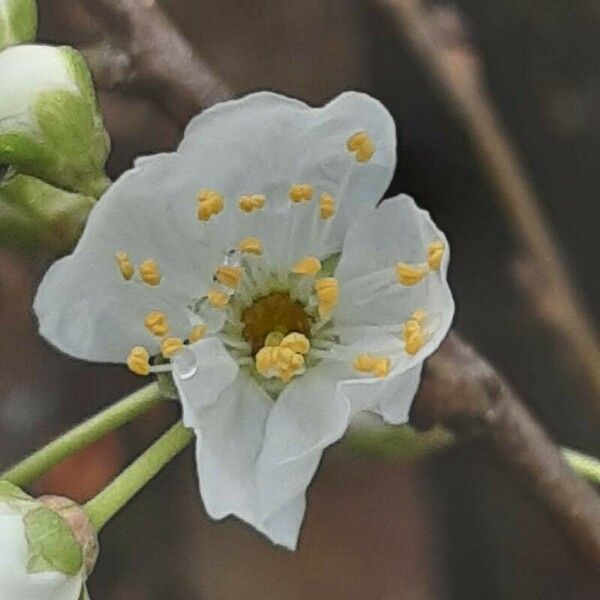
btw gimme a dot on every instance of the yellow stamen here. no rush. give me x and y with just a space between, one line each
301 192
156 323
413 334
264 360
229 276
274 338
435 252
138 361
409 274
170 346
296 364
419 316
296 342
376 365
327 206
309 265
197 332
210 203
279 360
125 265
251 245
362 146
217 298
251 202
327 295
149 272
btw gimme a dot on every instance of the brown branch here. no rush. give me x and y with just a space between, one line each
434 35
462 392
144 51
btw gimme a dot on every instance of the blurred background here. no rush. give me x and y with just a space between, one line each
455 526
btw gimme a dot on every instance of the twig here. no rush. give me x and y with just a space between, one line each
463 393
454 69
144 51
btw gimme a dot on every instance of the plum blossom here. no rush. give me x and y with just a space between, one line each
255 266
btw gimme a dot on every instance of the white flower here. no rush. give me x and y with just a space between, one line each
18 22
31 567
224 256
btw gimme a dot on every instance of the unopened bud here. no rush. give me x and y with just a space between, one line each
50 126
48 547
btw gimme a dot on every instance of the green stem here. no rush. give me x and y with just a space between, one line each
83 435
115 496
405 443
586 466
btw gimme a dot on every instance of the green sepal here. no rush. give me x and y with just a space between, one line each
166 386
9 491
35 215
18 22
52 545
84 594
329 265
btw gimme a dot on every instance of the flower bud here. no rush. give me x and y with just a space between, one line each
18 22
48 547
50 126
35 215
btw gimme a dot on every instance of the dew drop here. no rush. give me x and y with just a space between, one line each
186 363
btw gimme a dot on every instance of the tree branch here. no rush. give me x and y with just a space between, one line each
143 51
462 392
436 37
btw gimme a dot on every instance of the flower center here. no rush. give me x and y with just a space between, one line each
276 312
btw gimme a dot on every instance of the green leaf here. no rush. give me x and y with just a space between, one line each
52 545
36 215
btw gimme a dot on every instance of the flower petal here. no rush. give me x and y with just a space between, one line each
309 415
230 436
201 372
373 304
395 399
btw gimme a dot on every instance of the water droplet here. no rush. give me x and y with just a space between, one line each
186 363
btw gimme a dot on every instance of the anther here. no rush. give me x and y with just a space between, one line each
138 361
229 276
327 291
376 365
197 332
301 192
409 274
210 203
327 206
149 272
217 298
413 333
309 265
170 346
249 203
125 265
362 146
156 323
435 252
297 342
251 245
